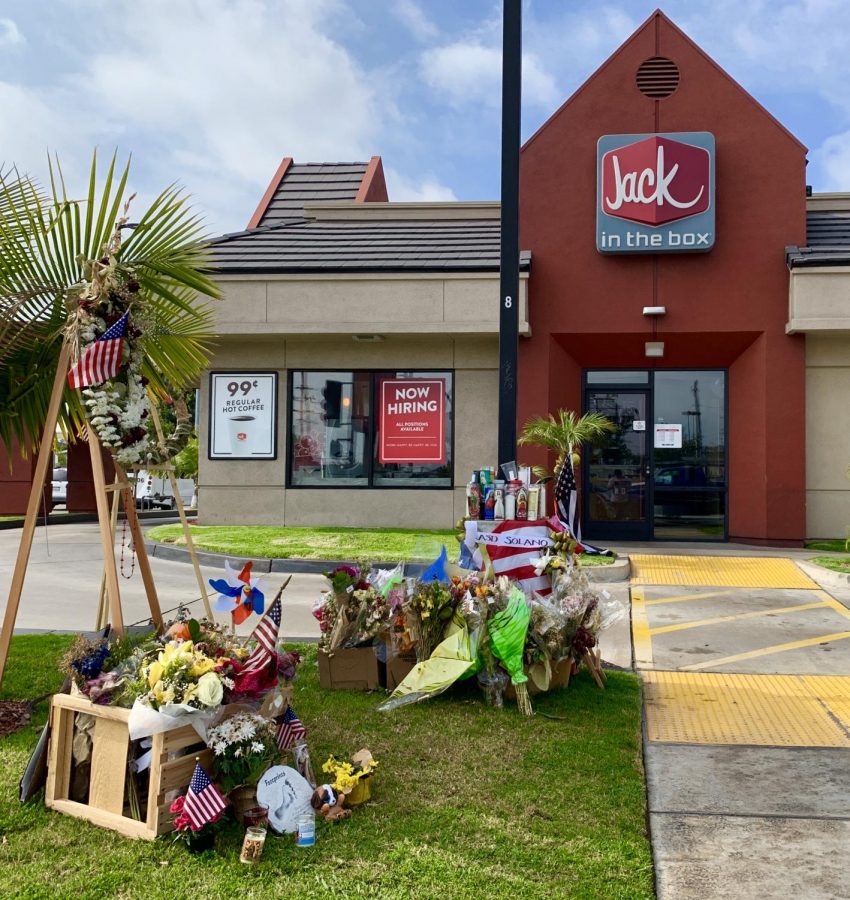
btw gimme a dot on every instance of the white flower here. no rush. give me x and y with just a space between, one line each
237 752
257 747
210 690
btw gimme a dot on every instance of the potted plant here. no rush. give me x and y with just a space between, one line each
244 746
565 433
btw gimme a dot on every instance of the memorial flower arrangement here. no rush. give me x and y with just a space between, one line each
338 609
427 611
182 674
351 778
108 298
244 747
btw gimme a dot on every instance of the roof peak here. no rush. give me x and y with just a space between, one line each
295 184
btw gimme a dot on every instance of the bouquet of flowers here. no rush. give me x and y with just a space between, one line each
244 747
427 612
103 671
340 617
351 779
184 675
371 617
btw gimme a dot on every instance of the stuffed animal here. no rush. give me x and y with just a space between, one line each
328 803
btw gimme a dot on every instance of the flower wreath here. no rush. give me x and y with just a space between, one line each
118 408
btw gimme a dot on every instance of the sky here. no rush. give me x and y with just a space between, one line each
211 94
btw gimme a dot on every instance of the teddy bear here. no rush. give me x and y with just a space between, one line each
329 803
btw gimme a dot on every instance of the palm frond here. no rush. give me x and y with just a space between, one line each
45 241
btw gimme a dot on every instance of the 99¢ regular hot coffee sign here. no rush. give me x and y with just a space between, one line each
412 421
242 415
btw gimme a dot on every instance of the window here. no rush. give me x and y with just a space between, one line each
335 435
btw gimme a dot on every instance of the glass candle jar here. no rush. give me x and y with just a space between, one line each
252 846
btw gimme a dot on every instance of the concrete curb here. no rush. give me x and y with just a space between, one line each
77 518
617 571
824 577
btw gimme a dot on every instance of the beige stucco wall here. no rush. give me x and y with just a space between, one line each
449 304
253 492
827 435
819 300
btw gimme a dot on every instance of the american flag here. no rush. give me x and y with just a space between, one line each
514 547
566 506
102 359
290 729
203 801
566 497
265 635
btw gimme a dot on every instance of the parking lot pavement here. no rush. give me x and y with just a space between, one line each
62 584
746 671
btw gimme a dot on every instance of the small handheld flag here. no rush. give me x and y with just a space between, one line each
265 634
290 729
203 801
102 359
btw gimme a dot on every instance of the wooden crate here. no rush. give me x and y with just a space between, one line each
172 763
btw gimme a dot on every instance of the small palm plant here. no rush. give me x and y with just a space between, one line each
48 243
564 433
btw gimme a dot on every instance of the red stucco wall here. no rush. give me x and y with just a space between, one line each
725 308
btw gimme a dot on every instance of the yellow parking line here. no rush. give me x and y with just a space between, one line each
767 651
684 597
719 620
838 607
640 630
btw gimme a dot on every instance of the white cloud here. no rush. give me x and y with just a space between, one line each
833 161
10 34
469 72
410 14
210 93
402 189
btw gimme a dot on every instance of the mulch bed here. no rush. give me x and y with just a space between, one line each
14 715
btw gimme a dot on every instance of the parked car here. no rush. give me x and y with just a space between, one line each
153 491
60 486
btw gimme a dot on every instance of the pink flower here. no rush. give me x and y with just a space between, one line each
177 805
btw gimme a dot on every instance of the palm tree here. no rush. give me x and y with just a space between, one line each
47 243
564 433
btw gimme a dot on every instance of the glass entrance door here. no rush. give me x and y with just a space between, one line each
616 479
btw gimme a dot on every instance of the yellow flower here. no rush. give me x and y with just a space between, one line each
154 673
202 664
161 694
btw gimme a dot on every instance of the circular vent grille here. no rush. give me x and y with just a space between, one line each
657 77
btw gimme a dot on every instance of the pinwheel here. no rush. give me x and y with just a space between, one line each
240 589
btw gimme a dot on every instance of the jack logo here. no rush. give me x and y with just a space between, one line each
648 184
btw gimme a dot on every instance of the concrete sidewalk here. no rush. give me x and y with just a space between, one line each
748 775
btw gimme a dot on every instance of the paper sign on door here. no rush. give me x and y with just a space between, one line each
668 437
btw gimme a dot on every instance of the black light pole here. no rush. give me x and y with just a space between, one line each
509 265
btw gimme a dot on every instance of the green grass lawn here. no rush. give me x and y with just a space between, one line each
836 546
354 544
468 802
836 563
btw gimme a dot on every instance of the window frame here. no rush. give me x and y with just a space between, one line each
372 433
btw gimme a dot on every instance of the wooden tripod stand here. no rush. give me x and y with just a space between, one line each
101 489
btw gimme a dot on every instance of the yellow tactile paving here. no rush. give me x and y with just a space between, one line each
758 710
718 571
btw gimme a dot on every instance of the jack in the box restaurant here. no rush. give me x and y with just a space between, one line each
676 276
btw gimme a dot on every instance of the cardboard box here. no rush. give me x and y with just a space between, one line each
357 669
560 679
398 667
173 757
